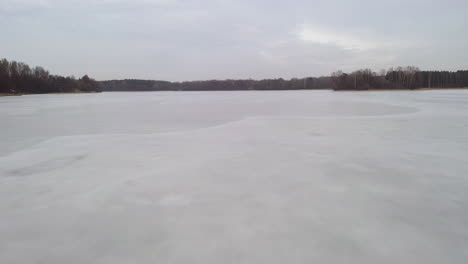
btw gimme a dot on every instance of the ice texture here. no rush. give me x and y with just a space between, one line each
235 177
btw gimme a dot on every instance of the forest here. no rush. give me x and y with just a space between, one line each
20 78
218 85
408 78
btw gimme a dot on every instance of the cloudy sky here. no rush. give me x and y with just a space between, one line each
218 39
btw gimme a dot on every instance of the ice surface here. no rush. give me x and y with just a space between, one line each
235 177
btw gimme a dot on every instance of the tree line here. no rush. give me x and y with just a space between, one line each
399 78
20 78
395 78
218 85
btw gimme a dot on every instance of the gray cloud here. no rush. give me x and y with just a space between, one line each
194 39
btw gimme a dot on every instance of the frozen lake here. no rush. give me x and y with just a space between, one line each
235 177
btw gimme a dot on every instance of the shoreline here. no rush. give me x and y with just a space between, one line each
21 94
323 89
417 89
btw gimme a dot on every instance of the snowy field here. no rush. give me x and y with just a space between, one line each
234 177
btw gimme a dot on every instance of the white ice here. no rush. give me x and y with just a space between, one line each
234 177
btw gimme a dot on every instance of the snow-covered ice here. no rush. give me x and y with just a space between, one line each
235 177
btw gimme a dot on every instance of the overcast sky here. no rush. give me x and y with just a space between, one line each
218 39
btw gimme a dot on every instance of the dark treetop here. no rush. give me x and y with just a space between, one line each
19 78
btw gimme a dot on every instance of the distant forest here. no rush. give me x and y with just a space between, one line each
19 78
399 78
408 78
218 85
